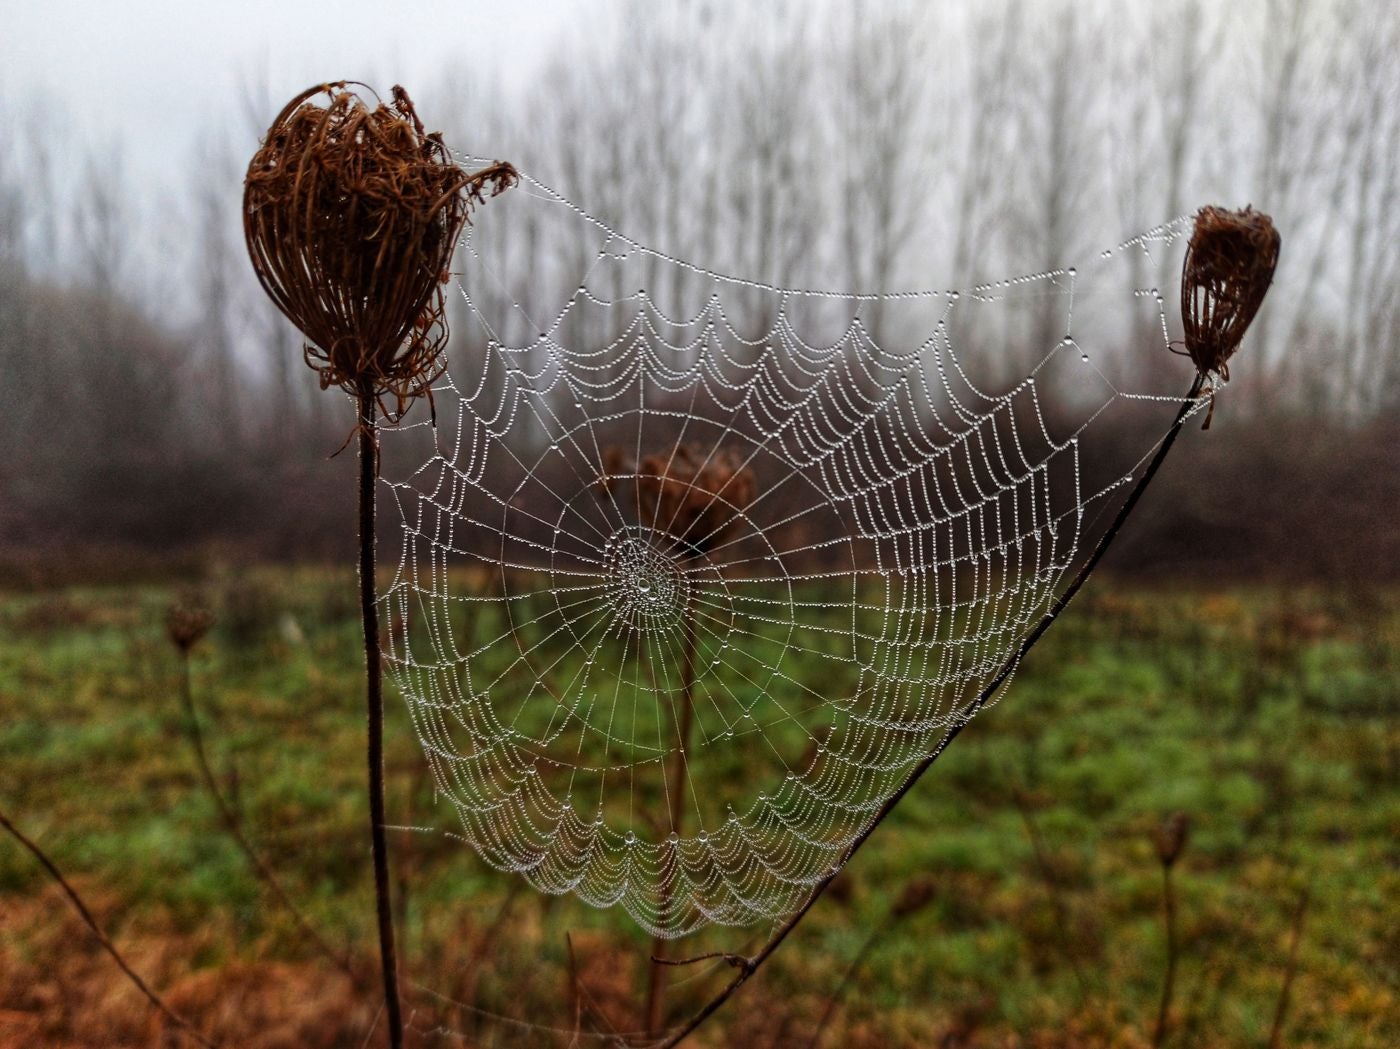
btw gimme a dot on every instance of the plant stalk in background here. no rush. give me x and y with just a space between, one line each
1170 839
186 623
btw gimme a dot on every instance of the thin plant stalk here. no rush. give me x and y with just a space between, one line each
747 966
233 825
1169 981
1281 1011
374 699
51 868
656 985
839 995
1058 906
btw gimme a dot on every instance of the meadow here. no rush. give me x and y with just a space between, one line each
1016 898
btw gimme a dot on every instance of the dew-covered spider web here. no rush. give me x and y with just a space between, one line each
696 569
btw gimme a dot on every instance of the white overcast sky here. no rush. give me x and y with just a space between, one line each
146 74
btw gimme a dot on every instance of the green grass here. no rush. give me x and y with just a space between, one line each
1268 717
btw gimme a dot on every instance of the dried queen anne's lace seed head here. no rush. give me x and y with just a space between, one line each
697 496
1227 271
186 623
351 215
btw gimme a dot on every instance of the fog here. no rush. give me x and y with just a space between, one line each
159 402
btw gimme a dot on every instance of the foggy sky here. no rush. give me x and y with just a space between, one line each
142 78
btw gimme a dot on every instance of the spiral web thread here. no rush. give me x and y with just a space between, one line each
908 526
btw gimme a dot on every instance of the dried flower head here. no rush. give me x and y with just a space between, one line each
692 494
1227 271
1170 837
351 215
187 621
917 895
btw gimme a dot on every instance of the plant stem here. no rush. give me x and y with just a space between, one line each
1058 907
656 987
1276 1032
1169 983
749 966
77 901
374 696
233 826
834 1002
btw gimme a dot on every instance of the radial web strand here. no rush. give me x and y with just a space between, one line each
696 569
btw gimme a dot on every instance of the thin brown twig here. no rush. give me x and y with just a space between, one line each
833 1003
918 893
739 961
968 712
1058 906
77 901
1281 1011
233 825
1159 1034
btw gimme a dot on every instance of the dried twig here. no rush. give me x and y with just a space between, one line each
1058 906
918 893
233 825
77 901
1295 938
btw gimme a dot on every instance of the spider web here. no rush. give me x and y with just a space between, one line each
692 717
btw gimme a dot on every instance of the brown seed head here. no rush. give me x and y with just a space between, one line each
1171 836
694 495
351 215
186 622
1227 271
917 895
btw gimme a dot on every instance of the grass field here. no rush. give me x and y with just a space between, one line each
1026 860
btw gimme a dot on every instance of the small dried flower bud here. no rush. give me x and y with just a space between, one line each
1227 271
917 895
351 216
695 495
1171 837
186 622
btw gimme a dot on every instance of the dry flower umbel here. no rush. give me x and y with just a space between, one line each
186 622
1170 837
1228 268
693 495
351 215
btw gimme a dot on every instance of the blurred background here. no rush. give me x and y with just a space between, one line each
157 407
167 449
